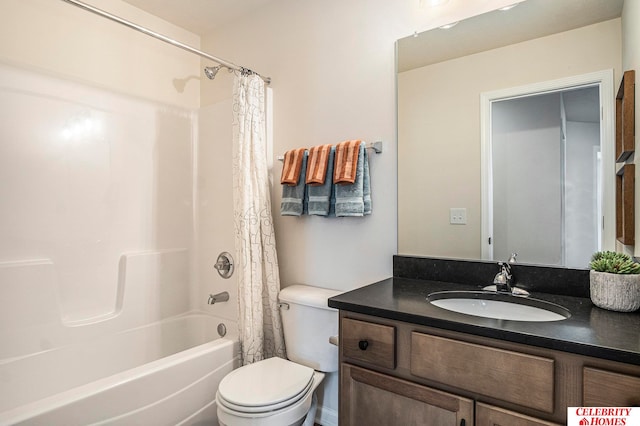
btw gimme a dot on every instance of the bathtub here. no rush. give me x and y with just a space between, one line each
165 373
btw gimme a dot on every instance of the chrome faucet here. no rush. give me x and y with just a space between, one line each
220 297
504 281
504 278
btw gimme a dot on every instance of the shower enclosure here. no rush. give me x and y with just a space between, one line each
115 202
547 187
97 223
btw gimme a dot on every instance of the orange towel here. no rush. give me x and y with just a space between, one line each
346 161
317 164
291 167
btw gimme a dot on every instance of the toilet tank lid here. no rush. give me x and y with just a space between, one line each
307 295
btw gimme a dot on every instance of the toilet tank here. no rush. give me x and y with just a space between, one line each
308 323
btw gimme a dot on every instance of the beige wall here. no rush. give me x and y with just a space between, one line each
439 153
59 38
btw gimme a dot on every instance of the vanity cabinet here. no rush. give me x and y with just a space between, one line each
394 372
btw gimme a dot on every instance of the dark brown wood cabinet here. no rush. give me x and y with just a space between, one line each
392 373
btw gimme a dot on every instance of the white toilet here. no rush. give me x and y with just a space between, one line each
279 392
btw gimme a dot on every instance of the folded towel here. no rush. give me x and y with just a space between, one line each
332 202
294 196
317 164
291 166
366 185
319 196
346 161
355 199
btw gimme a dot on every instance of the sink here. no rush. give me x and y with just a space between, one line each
498 306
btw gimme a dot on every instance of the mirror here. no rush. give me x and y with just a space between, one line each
442 76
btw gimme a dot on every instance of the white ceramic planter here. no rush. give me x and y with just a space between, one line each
616 292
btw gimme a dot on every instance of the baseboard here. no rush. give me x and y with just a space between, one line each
326 416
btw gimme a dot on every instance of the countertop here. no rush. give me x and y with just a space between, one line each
590 330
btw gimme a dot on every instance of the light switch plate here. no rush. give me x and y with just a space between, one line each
458 216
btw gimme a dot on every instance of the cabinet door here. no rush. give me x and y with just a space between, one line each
488 415
603 388
371 398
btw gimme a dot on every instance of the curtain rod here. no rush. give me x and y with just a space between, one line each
104 14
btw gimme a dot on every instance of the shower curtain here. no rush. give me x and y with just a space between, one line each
258 279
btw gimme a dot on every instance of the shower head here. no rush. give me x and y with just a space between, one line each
211 72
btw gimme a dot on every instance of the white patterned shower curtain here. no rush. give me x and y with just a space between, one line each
258 279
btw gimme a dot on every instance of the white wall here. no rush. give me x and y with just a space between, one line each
60 38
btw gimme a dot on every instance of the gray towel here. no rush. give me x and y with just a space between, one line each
319 196
366 185
294 196
355 199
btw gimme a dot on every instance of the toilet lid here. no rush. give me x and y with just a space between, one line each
265 383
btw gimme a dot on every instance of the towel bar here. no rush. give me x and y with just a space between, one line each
375 146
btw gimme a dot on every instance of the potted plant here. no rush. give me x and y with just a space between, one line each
614 281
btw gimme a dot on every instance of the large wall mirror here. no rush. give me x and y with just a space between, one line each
506 132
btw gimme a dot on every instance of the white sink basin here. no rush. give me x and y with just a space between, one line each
498 306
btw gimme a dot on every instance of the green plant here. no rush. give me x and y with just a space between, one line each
614 263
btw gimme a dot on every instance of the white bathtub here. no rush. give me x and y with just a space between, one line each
166 373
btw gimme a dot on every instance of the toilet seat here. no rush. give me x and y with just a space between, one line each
263 408
265 386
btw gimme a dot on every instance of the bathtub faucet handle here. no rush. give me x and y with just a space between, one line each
219 297
224 265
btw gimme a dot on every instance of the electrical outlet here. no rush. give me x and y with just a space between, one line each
458 216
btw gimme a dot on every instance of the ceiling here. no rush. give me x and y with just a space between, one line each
199 16
530 19
521 23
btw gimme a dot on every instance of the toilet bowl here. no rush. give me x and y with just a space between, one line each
272 392
280 392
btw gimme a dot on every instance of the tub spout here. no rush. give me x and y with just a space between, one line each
219 297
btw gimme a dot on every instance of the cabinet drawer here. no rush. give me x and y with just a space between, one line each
514 377
603 388
487 415
368 342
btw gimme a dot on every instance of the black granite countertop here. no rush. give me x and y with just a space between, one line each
590 330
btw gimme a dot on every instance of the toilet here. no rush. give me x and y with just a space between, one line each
280 392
